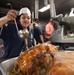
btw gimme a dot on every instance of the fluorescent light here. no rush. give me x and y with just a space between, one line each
44 8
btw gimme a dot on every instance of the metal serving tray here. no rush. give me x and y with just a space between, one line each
6 65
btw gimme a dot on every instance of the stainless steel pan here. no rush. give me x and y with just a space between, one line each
6 65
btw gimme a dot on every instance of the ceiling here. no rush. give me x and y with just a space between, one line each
62 6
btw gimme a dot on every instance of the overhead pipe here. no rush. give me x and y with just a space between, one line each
45 2
52 8
36 9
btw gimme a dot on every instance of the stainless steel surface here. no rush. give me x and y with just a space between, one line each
61 37
6 65
58 36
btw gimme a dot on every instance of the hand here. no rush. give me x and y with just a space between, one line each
48 42
11 15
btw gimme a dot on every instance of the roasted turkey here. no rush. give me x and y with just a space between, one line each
63 63
24 63
55 63
44 59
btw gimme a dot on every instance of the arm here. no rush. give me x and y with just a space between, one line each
41 37
40 34
3 20
11 15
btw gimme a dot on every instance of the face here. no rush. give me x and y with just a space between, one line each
25 20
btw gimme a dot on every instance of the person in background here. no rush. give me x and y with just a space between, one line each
38 34
49 28
13 43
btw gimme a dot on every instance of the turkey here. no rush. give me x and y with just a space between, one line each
24 62
63 64
55 63
44 59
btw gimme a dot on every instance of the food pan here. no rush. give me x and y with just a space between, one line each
6 65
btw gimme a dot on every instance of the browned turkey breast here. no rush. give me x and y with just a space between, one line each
24 61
